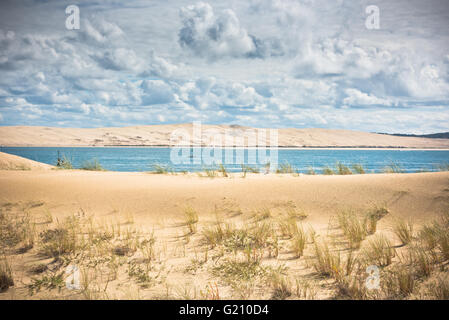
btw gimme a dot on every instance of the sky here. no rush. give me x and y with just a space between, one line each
264 63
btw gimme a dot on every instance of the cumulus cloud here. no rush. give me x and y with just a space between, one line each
206 33
357 98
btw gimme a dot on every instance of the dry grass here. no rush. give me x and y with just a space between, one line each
379 251
6 278
404 231
343 169
358 168
191 219
354 227
299 242
440 289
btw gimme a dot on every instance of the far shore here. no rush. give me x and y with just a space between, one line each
234 147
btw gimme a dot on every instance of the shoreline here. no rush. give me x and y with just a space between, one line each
268 148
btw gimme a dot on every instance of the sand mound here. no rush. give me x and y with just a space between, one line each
12 162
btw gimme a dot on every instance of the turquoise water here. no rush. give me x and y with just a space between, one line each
144 159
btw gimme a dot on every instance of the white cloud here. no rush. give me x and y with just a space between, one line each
358 98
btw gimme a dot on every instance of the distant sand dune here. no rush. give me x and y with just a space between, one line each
159 135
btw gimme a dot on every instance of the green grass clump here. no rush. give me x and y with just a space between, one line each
222 170
393 167
285 168
92 165
159 169
328 171
358 168
233 270
53 281
342 169
63 163
247 168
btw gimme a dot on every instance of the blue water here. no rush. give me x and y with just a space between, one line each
144 159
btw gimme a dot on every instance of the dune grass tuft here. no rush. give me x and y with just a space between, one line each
343 169
92 165
353 226
358 168
404 231
6 279
393 167
328 171
379 251
191 219
285 168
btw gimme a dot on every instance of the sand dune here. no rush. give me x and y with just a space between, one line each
156 135
153 197
12 162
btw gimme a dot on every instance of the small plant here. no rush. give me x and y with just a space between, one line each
247 168
59 241
404 231
191 219
6 279
52 281
342 169
63 162
288 228
236 271
358 168
305 290
210 173
222 170
328 171
299 242
285 168
92 165
393 167
282 287
326 263
159 169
